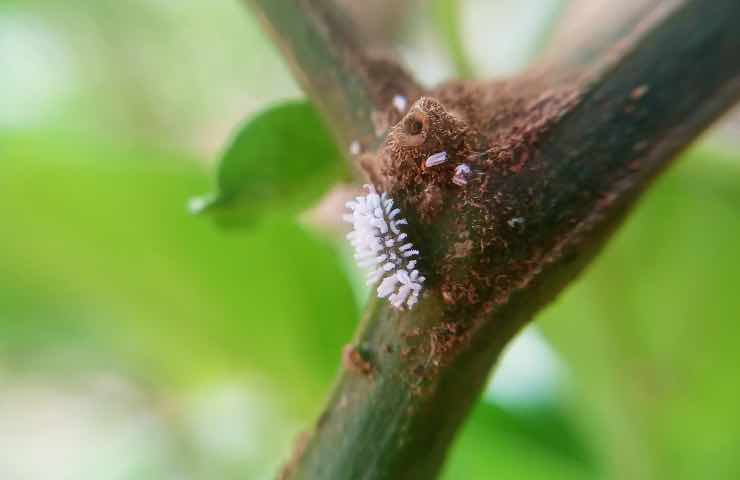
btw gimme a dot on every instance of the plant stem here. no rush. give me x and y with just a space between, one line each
645 100
346 82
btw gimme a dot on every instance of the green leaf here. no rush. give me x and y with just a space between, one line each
282 159
504 443
97 257
447 18
651 330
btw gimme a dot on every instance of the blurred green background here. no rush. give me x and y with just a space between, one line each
138 341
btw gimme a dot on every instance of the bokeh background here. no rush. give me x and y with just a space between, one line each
140 342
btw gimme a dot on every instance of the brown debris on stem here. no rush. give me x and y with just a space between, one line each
490 129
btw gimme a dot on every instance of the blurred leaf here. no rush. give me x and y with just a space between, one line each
97 254
532 444
448 21
284 158
651 330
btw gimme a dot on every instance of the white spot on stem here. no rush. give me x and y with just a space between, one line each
436 159
355 148
400 103
516 222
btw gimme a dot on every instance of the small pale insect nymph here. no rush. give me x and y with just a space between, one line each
436 159
462 175
400 103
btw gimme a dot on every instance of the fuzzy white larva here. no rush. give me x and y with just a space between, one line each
383 248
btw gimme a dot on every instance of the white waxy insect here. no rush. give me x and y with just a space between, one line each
400 103
436 159
382 248
462 175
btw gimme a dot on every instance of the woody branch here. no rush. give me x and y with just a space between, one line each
628 113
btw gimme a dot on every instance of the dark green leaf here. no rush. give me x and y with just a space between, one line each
284 158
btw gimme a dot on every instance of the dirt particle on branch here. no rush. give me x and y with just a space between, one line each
354 361
638 92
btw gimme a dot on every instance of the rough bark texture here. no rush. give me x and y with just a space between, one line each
556 161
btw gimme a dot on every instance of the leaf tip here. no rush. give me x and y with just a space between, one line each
198 205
